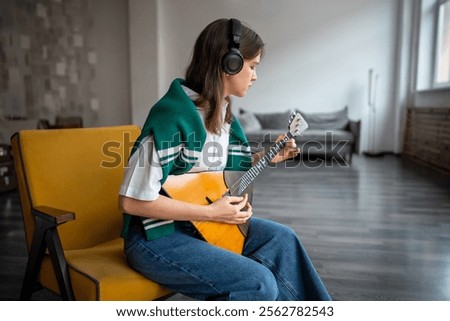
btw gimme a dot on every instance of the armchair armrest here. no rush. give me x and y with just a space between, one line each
355 129
53 215
46 237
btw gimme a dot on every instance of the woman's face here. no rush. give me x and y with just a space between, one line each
237 85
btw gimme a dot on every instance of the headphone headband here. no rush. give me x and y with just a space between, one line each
235 33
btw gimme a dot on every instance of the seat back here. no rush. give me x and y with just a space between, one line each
78 170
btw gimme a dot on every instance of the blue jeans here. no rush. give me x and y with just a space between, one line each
274 264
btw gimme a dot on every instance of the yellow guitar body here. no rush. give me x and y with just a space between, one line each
200 188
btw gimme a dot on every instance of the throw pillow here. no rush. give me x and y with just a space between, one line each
332 120
248 122
278 120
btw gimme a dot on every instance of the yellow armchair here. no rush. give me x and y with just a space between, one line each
68 181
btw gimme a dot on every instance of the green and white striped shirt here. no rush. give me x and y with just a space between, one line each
174 141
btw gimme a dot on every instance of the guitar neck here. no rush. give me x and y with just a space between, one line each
239 187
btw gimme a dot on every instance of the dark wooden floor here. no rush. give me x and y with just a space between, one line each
378 230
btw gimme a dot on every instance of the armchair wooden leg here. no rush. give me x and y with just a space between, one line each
37 252
59 264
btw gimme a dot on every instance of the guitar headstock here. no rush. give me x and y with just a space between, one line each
297 124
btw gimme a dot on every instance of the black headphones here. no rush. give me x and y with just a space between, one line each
232 61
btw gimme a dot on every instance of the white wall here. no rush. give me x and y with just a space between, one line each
318 53
111 82
144 61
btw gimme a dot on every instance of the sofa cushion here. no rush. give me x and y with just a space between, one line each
331 120
278 120
320 135
263 135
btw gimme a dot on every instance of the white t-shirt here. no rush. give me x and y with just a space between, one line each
143 174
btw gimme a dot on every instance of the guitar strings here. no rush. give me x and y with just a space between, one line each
241 184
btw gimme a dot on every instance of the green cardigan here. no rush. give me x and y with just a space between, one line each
179 134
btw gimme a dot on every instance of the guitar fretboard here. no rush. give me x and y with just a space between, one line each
239 187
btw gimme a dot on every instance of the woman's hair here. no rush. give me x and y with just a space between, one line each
204 73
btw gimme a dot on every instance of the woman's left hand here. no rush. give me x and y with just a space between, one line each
290 150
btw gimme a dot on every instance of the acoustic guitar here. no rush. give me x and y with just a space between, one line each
206 187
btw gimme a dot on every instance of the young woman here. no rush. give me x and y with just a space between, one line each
192 129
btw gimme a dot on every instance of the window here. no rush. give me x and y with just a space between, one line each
442 67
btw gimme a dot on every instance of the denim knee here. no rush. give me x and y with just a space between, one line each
260 286
268 288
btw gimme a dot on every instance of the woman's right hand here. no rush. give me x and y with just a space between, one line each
230 210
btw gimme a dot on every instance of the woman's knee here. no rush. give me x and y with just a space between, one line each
269 227
262 286
282 234
268 290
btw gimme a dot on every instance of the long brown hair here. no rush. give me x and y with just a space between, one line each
204 73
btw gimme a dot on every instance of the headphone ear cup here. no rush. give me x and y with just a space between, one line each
232 62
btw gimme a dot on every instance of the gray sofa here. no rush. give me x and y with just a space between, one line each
330 134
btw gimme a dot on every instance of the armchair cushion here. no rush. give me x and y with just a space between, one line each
102 273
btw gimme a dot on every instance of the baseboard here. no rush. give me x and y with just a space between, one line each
381 153
373 154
